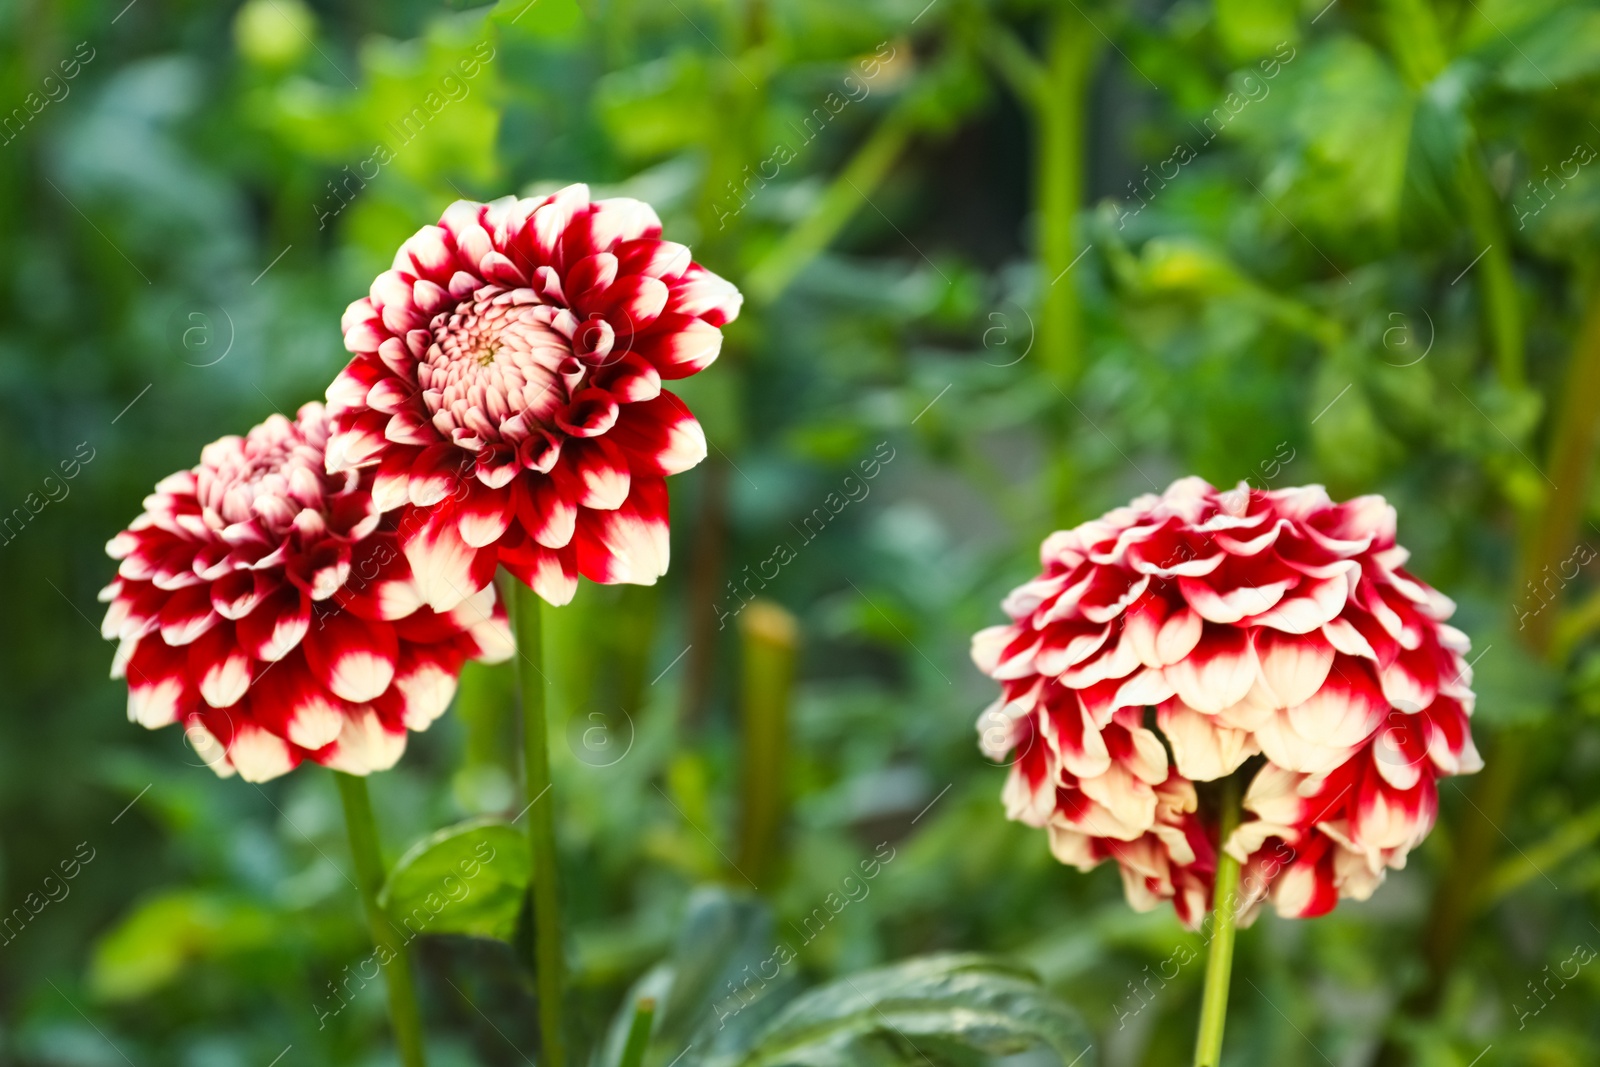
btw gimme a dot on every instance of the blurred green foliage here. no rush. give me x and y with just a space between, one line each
1348 242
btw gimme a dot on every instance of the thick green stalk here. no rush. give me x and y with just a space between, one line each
771 637
404 1015
1059 114
547 941
1546 537
1502 307
1546 540
1055 90
1417 43
644 1015
1224 915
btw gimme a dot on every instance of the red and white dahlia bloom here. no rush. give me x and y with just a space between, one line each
1191 634
264 603
507 387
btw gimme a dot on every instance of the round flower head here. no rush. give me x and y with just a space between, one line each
1191 634
507 387
264 603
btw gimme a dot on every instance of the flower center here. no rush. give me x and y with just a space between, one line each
267 478
495 371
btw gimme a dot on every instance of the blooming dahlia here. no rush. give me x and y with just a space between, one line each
506 385
263 603
1191 634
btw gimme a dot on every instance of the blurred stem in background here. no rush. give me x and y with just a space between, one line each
705 577
844 196
404 1015
485 705
644 1016
1224 915
1501 305
1071 46
771 639
632 628
543 884
1054 90
1417 43
740 101
1547 537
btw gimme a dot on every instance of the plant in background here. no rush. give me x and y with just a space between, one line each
506 388
262 602
713 1003
1198 647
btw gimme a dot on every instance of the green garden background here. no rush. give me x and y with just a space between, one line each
1006 265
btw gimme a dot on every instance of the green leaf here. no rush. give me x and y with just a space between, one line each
1336 127
970 1001
165 934
1440 134
1251 28
1560 48
725 978
465 879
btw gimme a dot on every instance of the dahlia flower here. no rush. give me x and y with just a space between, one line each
506 386
263 603
1189 635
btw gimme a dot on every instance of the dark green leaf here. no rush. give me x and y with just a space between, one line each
970 1001
466 879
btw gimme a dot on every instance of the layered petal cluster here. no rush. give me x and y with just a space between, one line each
506 386
265 604
1192 634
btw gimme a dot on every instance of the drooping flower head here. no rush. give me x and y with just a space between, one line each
1192 634
264 603
506 385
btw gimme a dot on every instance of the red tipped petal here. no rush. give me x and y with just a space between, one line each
627 545
355 659
659 436
277 626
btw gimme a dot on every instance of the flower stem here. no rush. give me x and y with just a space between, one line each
1071 48
404 1015
644 1014
547 940
1225 910
771 638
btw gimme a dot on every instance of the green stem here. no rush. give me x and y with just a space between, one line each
1501 305
1224 912
547 940
644 1014
770 640
1546 539
404 1015
843 198
1059 117
1419 49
